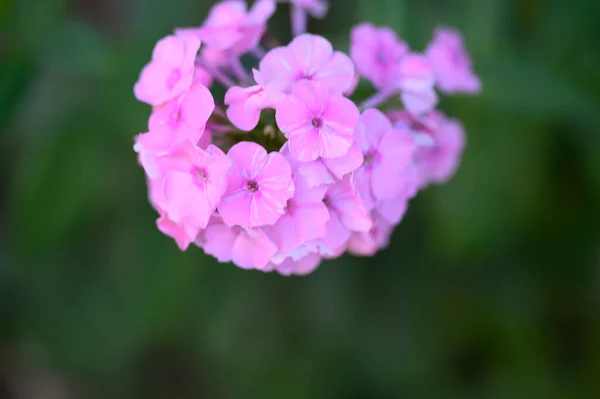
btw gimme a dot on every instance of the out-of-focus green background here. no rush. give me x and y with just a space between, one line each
490 288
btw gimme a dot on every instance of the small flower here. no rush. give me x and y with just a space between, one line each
231 27
258 186
304 218
387 153
451 63
368 243
376 51
437 163
415 79
175 231
347 214
300 267
246 104
247 248
193 183
317 122
310 57
177 121
170 72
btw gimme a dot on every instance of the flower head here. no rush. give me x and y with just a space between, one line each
170 72
258 186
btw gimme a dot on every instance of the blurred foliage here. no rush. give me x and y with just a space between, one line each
488 290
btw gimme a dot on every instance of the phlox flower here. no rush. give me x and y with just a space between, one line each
387 154
246 104
193 182
437 163
317 122
170 72
258 186
376 52
248 248
300 267
347 214
451 63
175 122
310 57
230 27
304 218
368 243
415 79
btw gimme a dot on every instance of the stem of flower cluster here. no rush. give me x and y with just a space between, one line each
219 76
377 99
239 71
299 20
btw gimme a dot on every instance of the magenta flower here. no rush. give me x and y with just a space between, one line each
376 52
438 163
304 218
415 79
451 63
368 243
258 187
300 267
176 122
246 104
310 57
175 231
193 183
347 214
170 72
387 153
247 248
231 27
316 122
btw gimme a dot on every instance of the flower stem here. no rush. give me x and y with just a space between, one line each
298 20
377 99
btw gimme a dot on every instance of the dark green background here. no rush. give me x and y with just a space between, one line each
488 290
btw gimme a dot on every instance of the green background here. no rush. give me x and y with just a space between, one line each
488 290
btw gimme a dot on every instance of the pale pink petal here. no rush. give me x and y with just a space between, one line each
196 106
252 249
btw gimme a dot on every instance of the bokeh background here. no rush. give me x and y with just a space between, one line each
490 288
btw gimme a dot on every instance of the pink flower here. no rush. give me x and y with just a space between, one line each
451 63
300 267
170 72
316 122
246 104
368 243
177 121
304 218
439 162
415 79
175 231
231 27
376 53
347 214
247 248
310 57
387 153
193 183
258 186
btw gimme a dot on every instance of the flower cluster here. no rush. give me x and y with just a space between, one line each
289 168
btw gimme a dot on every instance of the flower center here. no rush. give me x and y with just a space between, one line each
252 186
317 122
369 157
327 201
202 175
